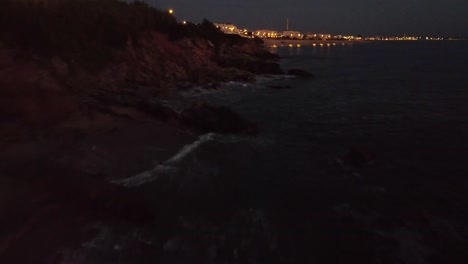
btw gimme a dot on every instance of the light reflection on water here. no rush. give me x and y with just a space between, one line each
298 50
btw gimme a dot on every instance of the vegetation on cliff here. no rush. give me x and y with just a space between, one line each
88 30
92 30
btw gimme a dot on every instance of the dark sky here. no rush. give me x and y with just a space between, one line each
369 17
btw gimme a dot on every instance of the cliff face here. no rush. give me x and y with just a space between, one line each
77 81
56 55
64 126
47 88
32 92
157 61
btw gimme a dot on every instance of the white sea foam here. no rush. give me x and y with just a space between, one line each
242 84
166 168
189 148
145 177
269 77
272 77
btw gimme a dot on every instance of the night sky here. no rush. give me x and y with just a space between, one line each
367 17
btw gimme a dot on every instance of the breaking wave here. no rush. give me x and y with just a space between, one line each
165 168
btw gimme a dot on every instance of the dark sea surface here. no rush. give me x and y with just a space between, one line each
404 104
401 194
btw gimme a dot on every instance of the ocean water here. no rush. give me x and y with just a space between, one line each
401 105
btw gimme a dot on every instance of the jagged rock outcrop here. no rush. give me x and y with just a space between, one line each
38 88
250 57
160 112
300 73
207 118
32 92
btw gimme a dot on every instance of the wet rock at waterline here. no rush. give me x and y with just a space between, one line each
300 73
207 118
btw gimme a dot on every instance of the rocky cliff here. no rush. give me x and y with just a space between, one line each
56 55
77 110
46 88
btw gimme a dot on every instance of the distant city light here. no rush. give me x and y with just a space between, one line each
229 28
171 11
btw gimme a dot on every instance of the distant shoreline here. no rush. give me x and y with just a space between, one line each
308 42
304 42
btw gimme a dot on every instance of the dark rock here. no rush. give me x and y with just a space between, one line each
359 157
252 65
213 86
163 113
242 76
263 67
233 74
300 73
279 87
207 118
269 56
245 79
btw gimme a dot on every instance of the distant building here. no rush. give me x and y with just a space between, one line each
227 28
264 33
292 34
324 36
318 36
314 36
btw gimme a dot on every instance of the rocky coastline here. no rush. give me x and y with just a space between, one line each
66 130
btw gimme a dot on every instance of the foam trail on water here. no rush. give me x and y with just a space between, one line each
269 77
165 168
145 177
189 148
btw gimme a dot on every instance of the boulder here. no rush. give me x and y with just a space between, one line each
240 76
300 73
264 67
220 119
161 112
213 86
251 64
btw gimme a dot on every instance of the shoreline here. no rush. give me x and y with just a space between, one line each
304 42
271 43
62 149
76 118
